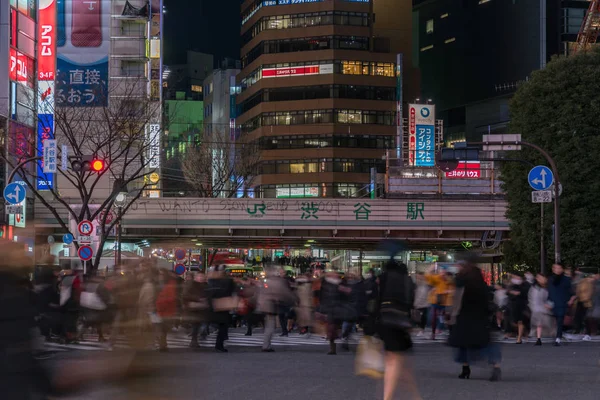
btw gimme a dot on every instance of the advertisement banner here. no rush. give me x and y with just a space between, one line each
47 40
45 132
83 39
21 68
153 143
297 71
421 135
466 170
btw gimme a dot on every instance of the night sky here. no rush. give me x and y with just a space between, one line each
208 26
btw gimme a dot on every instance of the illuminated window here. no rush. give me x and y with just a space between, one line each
444 16
298 168
352 68
383 69
429 26
197 88
450 40
312 167
427 48
484 1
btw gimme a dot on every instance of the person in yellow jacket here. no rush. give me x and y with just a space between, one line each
440 296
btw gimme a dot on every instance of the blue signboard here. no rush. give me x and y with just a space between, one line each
45 131
67 238
540 177
425 146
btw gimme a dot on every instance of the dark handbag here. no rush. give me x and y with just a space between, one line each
391 317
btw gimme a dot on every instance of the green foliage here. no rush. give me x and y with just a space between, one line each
559 110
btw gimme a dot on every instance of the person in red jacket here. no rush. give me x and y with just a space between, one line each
166 307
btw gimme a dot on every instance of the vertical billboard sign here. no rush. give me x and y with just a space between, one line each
399 109
153 143
421 135
46 62
83 30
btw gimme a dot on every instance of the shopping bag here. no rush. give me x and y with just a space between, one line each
92 301
369 358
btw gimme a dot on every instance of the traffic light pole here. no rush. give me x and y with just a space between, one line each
557 250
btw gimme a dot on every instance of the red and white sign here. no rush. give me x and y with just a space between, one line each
20 67
466 170
110 217
412 136
47 40
85 228
297 71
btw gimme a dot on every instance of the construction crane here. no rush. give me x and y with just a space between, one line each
590 28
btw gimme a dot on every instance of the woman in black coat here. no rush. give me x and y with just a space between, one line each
220 287
470 333
396 295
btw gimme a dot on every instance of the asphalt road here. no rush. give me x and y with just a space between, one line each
301 373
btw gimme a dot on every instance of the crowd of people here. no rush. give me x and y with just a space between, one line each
144 304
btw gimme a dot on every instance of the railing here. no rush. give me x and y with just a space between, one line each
125 47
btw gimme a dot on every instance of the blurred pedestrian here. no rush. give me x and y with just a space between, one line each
271 297
146 315
421 303
166 307
330 297
517 295
304 310
561 295
196 306
539 306
221 293
470 333
396 297
440 296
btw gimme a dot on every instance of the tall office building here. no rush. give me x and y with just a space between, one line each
318 95
473 54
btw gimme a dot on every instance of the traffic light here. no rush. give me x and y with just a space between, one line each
87 163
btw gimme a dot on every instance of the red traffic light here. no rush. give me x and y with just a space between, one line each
98 165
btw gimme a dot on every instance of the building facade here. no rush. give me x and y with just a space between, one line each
318 96
221 131
473 54
188 77
18 111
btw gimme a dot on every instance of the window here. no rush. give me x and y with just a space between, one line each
429 26
445 15
450 40
427 48
298 168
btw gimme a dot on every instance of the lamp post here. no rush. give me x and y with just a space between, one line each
120 201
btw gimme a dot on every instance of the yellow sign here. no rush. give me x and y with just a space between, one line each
154 177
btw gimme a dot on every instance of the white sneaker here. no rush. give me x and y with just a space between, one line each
587 338
421 333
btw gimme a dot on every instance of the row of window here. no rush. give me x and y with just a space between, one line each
319 92
258 4
305 44
342 67
321 117
305 20
344 190
323 141
313 166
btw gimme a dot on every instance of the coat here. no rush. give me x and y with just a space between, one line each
166 301
538 299
195 299
441 290
471 309
585 292
276 292
304 310
217 289
422 295
560 293
146 303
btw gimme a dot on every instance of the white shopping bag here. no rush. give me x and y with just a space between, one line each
369 358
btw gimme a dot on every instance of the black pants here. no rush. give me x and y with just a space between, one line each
283 322
423 322
199 327
560 321
249 322
221 336
580 319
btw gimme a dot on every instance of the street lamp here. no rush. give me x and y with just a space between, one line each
120 201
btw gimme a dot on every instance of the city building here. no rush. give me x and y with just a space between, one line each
188 77
318 96
473 54
221 131
18 111
183 121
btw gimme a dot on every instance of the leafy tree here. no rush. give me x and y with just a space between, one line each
559 110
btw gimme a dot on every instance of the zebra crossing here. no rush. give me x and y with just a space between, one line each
180 339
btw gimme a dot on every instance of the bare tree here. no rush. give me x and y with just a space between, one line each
124 134
221 168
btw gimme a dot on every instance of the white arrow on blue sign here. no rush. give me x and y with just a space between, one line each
14 193
540 177
67 238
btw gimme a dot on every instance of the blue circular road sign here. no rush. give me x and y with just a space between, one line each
540 177
85 253
179 269
14 193
179 254
67 238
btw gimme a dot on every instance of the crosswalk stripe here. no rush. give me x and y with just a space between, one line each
177 340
